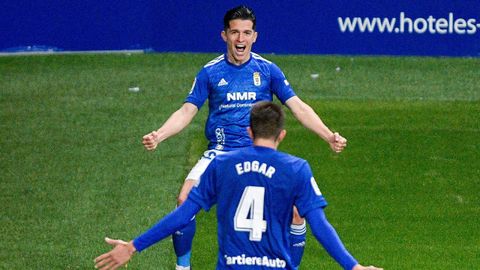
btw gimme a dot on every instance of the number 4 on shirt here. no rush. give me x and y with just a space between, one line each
249 214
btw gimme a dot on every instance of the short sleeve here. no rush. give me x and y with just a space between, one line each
206 193
199 92
280 85
309 195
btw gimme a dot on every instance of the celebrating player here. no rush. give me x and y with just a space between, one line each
232 83
255 189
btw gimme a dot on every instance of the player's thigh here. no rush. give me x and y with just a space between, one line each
193 177
185 190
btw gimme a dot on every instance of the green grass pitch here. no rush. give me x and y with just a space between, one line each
405 194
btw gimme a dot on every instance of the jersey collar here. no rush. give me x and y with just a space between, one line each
239 66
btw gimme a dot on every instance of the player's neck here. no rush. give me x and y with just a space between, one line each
265 143
237 62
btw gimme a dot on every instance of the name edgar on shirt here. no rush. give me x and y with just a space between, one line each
256 167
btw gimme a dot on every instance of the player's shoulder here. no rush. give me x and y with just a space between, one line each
265 64
258 58
290 157
215 62
212 67
292 162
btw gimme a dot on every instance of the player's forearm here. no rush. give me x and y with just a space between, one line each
328 237
171 223
177 122
313 122
309 118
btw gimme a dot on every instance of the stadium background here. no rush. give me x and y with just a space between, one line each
404 194
193 26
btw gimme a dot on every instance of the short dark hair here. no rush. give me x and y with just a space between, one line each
241 12
266 120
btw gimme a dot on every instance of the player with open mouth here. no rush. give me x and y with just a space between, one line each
239 38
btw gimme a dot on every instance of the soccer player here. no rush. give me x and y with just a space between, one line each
255 189
232 83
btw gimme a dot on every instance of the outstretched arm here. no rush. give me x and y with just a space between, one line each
171 223
175 123
307 116
328 237
123 251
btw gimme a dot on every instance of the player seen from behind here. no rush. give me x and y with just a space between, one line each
255 189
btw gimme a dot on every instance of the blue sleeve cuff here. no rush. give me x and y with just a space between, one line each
194 101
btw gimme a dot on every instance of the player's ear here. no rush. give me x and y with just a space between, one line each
250 133
224 35
255 35
282 135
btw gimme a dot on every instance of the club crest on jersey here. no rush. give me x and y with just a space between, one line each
256 79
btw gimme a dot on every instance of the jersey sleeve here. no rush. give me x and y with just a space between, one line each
199 92
280 86
177 219
328 237
205 194
309 196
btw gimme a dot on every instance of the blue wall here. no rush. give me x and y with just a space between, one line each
443 28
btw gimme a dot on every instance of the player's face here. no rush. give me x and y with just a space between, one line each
239 37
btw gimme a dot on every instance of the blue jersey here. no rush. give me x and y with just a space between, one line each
255 189
231 91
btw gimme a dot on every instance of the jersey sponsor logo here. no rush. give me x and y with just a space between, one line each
234 105
222 82
256 79
255 261
241 96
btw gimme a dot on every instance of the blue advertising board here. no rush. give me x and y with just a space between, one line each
426 28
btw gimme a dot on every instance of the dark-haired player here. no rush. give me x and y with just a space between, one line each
232 83
255 189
